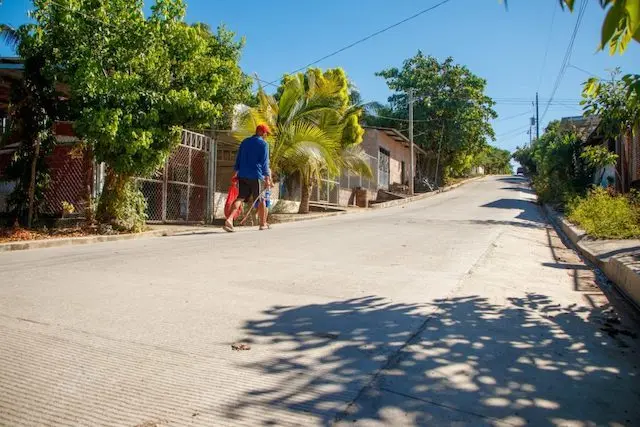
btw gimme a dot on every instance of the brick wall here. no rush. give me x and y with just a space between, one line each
70 171
71 178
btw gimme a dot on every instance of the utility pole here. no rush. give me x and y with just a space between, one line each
411 171
537 118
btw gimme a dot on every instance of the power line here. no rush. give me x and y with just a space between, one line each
583 70
527 99
514 116
546 51
567 56
264 81
399 119
520 129
370 36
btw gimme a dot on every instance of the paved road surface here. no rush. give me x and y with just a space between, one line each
462 309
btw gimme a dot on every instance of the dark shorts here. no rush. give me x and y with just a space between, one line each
248 189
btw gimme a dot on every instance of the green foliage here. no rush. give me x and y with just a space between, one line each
451 110
315 129
332 94
33 109
524 156
136 81
494 160
598 157
561 172
621 23
9 35
124 207
235 87
605 216
19 170
612 100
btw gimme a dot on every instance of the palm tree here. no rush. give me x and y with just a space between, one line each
311 126
9 36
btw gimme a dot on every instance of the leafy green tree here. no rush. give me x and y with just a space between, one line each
451 110
315 129
621 23
524 156
599 157
135 82
235 88
561 172
34 107
618 110
495 161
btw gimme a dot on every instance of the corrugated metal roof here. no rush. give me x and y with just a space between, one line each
397 136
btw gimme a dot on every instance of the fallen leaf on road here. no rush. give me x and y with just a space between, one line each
240 346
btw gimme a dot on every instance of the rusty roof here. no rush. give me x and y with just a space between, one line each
397 136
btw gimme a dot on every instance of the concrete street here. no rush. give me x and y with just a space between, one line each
461 309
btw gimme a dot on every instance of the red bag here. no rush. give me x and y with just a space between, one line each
232 196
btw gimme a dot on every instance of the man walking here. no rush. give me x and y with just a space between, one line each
251 167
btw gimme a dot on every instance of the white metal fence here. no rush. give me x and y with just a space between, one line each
182 190
190 187
327 191
351 181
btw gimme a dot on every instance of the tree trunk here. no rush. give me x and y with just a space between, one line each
305 196
32 183
112 196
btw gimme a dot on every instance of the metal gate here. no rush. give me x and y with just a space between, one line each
327 191
383 169
181 191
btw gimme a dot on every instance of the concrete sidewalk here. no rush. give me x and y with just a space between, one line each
618 259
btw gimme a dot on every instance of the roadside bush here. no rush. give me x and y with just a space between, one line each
604 216
558 168
125 209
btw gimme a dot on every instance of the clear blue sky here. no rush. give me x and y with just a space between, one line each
506 48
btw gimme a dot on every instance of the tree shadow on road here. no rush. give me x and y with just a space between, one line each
529 210
513 179
530 361
520 189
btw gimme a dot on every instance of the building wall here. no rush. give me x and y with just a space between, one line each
398 153
375 139
370 142
5 187
70 172
71 179
477 170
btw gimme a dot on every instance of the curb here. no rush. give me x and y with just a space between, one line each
400 202
71 241
306 218
616 268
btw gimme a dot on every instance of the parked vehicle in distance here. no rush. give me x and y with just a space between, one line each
520 171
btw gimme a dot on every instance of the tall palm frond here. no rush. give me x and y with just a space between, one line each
9 36
355 160
314 130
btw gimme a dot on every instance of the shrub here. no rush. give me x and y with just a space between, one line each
124 210
604 216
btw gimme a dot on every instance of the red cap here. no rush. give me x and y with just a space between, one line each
264 129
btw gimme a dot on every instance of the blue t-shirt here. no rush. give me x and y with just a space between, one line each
252 160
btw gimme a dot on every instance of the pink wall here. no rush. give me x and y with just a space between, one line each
375 139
